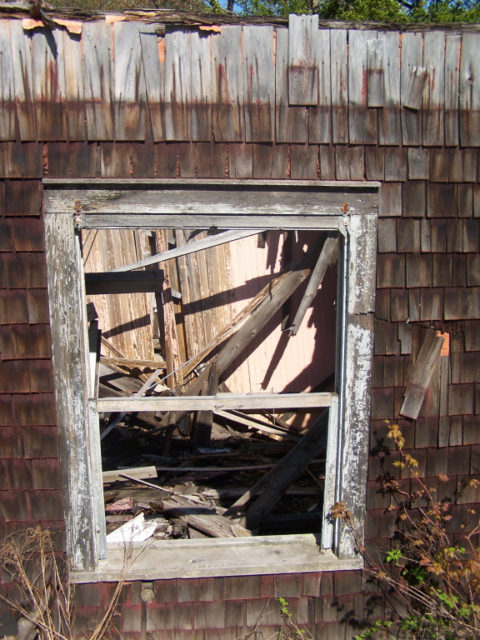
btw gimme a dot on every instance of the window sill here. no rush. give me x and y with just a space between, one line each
216 557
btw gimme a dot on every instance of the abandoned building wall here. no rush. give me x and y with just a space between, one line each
119 99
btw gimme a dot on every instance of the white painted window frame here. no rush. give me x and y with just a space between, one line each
349 208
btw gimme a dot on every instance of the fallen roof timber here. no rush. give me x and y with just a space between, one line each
217 402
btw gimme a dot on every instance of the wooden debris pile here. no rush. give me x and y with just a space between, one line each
229 468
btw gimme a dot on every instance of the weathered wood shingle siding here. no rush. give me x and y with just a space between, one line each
122 101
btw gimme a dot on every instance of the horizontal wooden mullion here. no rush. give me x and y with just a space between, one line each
216 403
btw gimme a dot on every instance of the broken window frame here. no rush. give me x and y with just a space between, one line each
348 208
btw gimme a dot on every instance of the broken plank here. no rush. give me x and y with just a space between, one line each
191 247
137 472
217 402
244 421
132 364
421 375
326 258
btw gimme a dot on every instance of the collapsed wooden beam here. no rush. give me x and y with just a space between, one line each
274 483
191 247
326 257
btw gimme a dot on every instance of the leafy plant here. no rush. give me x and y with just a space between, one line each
430 578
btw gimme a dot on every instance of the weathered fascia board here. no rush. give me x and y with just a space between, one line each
88 198
217 402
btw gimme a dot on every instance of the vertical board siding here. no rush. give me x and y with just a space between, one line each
48 81
362 122
178 85
320 118
452 78
202 83
129 91
470 91
302 60
259 84
412 59
153 59
7 88
339 78
227 95
434 96
389 125
73 86
98 81
290 122
23 80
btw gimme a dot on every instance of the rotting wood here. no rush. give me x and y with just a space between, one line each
138 472
276 481
203 423
375 73
243 420
326 258
302 60
191 247
421 374
199 515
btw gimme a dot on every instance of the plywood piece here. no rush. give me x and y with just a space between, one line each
362 122
129 91
228 94
470 92
339 78
259 83
22 70
390 132
290 122
320 117
7 87
154 70
452 80
98 81
421 374
302 60
434 95
411 69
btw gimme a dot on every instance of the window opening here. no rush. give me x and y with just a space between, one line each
253 314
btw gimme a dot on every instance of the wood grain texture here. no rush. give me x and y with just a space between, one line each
469 92
452 80
290 121
421 375
434 98
178 85
154 70
362 122
202 87
129 91
259 84
411 69
389 121
7 86
228 93
98 81
302 60
320 117
22 69
339 80
73 87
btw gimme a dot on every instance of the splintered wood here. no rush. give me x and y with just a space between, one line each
226 404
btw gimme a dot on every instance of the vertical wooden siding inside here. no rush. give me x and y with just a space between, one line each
399 107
